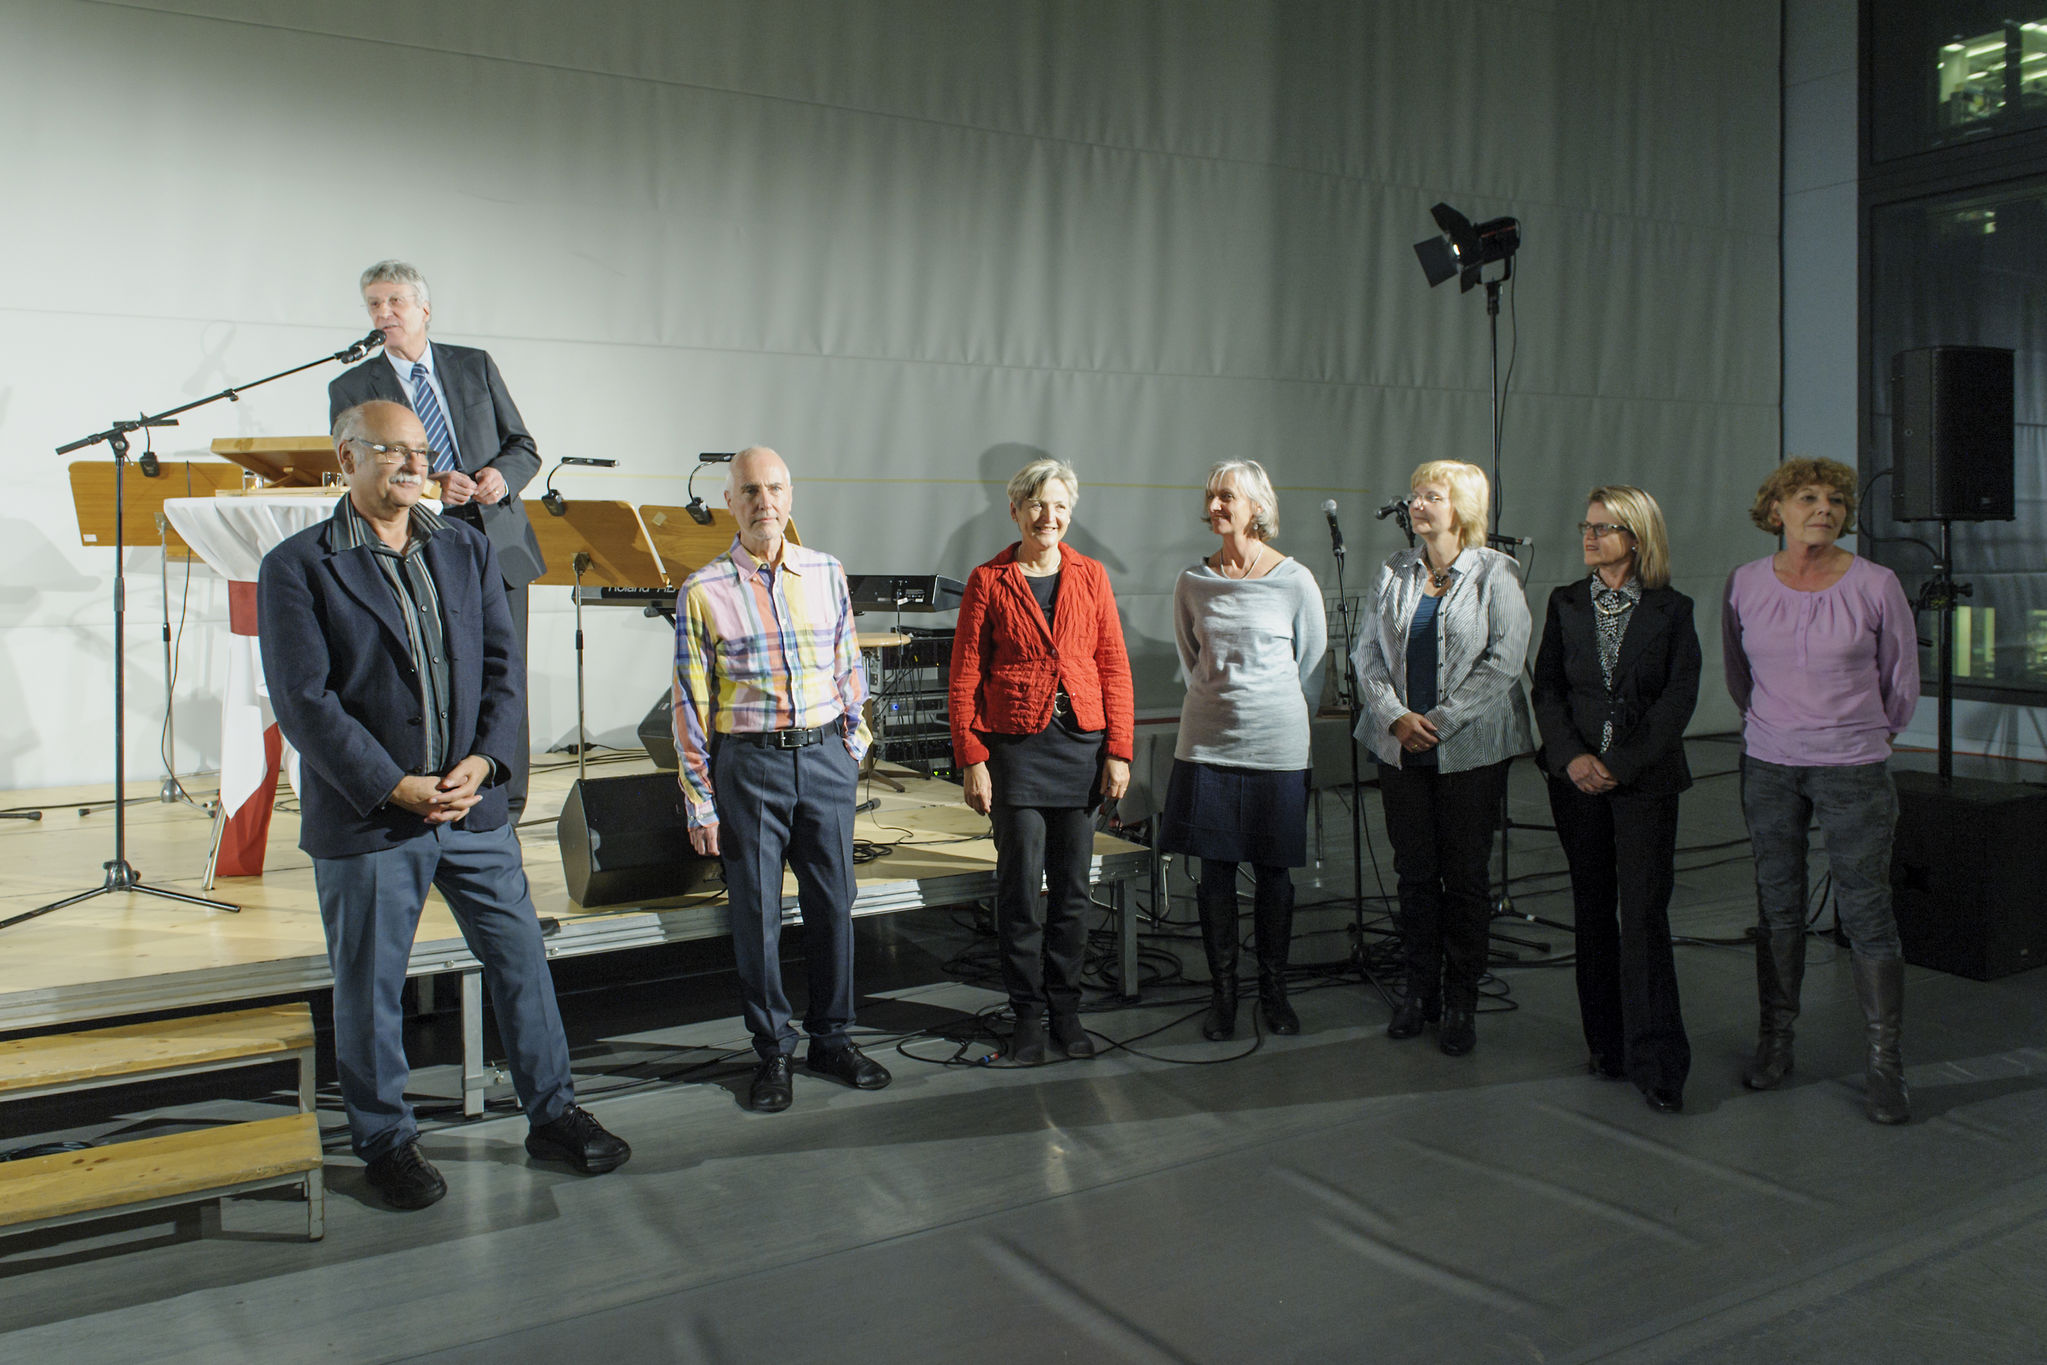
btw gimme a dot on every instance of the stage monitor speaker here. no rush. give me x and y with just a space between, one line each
1951 434
657 732
624 842
1966 872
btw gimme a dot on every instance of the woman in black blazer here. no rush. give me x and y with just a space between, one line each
1615 682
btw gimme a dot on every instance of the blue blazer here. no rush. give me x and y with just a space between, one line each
490 432
346 695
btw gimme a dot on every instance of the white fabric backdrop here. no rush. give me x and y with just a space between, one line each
908 244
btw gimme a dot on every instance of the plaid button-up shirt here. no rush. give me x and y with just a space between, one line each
761 647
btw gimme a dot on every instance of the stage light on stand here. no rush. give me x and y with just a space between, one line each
1465 248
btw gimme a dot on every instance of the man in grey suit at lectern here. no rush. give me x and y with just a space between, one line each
486 453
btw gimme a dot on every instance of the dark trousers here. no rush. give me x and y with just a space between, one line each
1441 827
1044 941
1857 807
1622 850
370 905
522 758
793 804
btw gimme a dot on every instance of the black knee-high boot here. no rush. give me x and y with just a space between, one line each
1780 972
1273 924
1219 940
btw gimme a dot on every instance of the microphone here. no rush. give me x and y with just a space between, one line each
1389 509
359 349
1335 531
578 459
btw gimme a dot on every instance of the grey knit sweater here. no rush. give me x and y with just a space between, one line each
1251 651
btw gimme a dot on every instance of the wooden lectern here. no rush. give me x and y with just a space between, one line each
282 461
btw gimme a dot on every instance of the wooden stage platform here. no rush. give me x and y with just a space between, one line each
125 954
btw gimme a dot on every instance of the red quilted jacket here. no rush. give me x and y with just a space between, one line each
1007 667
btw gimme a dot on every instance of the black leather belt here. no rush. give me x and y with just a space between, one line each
783 739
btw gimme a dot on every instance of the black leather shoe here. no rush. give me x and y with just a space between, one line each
771 1093
1070 1037
848 1065
1411 1014
1665 1101
1607 1069
579 1139
405 1178
1459 1034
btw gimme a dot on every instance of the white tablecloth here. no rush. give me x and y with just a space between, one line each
232 535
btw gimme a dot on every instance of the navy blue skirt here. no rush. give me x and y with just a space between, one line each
1237 815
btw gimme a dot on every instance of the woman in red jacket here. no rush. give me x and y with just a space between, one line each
1041 727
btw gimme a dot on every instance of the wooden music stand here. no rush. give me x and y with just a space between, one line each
92 494
283 461
609 533
684 546
592 542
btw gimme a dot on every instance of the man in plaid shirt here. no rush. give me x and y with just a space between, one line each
769 733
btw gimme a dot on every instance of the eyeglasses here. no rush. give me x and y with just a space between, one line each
397 454
1600 530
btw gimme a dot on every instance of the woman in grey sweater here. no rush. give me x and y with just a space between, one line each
1249 625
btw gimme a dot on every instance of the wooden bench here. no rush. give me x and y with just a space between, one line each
232 1158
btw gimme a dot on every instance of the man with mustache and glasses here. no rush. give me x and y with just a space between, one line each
394 670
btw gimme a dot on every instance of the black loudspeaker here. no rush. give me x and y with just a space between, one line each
1966 875
1951 434
657 732
624 842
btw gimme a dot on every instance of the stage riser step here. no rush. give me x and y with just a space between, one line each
67 1186
124 1052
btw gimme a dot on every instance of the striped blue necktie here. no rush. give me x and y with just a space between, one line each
429 409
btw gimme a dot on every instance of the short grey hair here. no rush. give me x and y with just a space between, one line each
1251 481
396 272
1026 482
350 424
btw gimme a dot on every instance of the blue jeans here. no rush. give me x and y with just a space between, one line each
1857 806
370 905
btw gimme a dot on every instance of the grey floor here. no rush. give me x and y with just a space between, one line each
1335 1196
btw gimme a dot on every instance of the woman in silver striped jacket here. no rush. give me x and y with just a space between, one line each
1444 711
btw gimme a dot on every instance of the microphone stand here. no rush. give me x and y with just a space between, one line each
120 874
581 562
172 790
1353 708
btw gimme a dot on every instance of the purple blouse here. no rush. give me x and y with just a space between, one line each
1823 679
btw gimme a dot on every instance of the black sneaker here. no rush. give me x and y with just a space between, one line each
579 1139
405 1178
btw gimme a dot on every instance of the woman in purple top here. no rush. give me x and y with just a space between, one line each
1822 658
